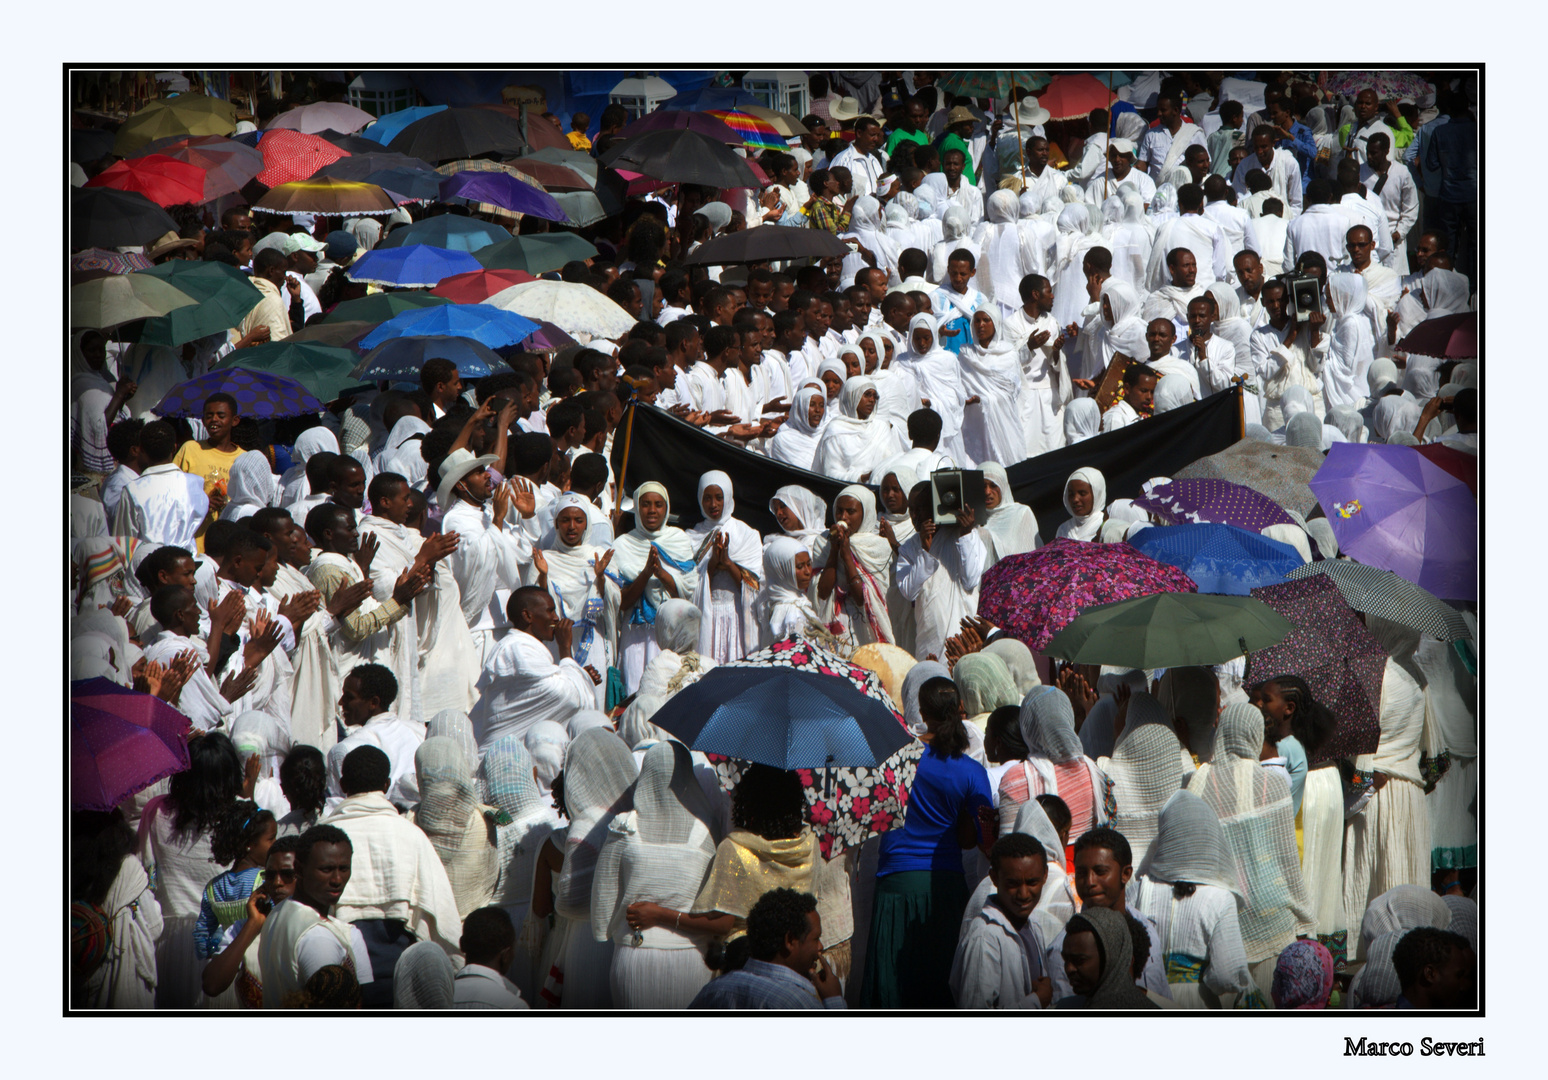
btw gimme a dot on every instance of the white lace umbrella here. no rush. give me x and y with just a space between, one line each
571 307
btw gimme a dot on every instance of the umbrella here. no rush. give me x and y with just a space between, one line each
713 97
1341 661
163 180
554 177
1458 463
379 307
784 123
1214 500
402 357
327 195
682 157
90 144
260 394
1394 508
504 191
575 309
767 242
121 742
1383 593
361 166
1221 559
292 155
341 335
387 127
322 370
577 161
105 218
751 131
106 302
1111 79
459 133
350 144
1451 337
407 185
1283 473
1170 630
417 265
678 119
451 168
1036 594
321 116
536 253
449 231
548 336
540 131
1387 84
224 294
1073 96
186 114
227 165
108 262
991 84
477 286
488 325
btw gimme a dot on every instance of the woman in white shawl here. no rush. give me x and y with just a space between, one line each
1172 392
293 485
1085 503
1145 770
652 563
507 781
868 224
1077 235
783 606
956 232
729 554
992 425
1394 414
1132 237
1010 251
1163 204
547 742
897 391
800 514
461 829
1010 527
897 527
856 438
250 487
940 383
1055 764
795 443
677 665
831 373
654 860
1351 347
261 735
1123 327
575 574
127 976
856 563
1229 323
400 453
1018 661
1082 420
903 230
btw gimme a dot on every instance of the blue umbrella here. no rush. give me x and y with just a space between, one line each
488 325
410 267
387 127
784 717
1222 559
403 357
502 190
712 97
406 183
450 231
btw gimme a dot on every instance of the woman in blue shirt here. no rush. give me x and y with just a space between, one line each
920 889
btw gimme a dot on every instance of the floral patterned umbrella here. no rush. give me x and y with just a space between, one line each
1035 595
1389 85
1214 500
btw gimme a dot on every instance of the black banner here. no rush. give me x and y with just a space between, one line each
674 453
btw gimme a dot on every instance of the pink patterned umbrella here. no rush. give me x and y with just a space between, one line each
290 155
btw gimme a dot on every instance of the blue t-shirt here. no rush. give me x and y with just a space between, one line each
944 788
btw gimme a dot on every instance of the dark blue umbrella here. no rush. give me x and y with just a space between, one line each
403 357
387 127
258 394
406 183
784 717
450 231
484 323
1222 559
502 190
413 266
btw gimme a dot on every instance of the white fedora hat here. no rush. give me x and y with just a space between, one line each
456 466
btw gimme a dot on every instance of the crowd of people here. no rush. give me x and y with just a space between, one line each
420 637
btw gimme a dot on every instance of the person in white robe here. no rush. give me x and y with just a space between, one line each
939 570
1162 147
293 485
784 606
1010 527
652 563
856 439
573 568
1086 525
1082 419
1079 226
491 548
1131 241
956 234
521 683
1045 382
1194 232
895 524
250 486
1321 228
897 390
795 443
868 226
1351 348
993 428
1284 356
1012 249
1283 171
940 384
729 557
400 452
854 562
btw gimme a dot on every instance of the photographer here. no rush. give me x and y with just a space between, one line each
1287 352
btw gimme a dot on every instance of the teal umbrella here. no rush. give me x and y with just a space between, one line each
323 370
379 307
450 231
536 253
225 295
991 84
1170 630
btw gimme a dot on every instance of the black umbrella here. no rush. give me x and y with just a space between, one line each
108 218
680 156
459 133
355 144
90 144
360 166
767 242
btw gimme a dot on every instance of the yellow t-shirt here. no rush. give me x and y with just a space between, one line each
213 466
579 141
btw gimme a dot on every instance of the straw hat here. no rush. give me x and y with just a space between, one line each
169 242
845 108
456 466
960 114
1030 113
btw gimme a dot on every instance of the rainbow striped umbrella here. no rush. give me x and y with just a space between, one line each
756 134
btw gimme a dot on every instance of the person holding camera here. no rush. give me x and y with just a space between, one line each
938 570
1287 351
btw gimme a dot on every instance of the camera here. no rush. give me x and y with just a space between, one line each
1305 292
955 490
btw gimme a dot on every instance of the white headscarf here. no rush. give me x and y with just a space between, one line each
868 225
743 546
1008 253
902 524
423 978
795 443
1011 527
782 608
1172 392
874 555
992 372
250 487
1352 346
805 505
631 550
401 454
1085 527
850 448
1190 847
1018 661
1126 332
598 773
938 374
837 367
311 441
1082 420
546 741
1445 292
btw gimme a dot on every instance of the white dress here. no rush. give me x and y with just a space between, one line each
1201 943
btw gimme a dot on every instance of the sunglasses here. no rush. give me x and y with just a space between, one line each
281 875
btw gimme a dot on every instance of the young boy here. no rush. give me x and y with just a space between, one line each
177 611
1139 396
999 961
211 458
578 125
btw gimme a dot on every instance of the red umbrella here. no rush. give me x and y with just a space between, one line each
121 742
163 180
1072 97
227 164
476 286
290 155
1451 337
1458 463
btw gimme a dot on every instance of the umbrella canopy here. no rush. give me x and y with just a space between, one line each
784 123
713 97
107 218
459 133
583 208
225 295
1214 500
1462 465
1341 661
111 301
227 165
90 144
186 114
752 132
386 128
379 307
681 119
322 116
1392 507
578 161
1170 630
121 742
402 357
341 335
327 195
1451 337
352 144
575 309
1383 593
503 191
767 242
1036 594
292 155
1221 559
682 157
261 394
558 177
321 370
541 131
536 253
1283 473
488 325
451 168
451 232
163 180
1387 84
476 286
550 337
108 262
1072 97
361 166
991 84
414 266
407 185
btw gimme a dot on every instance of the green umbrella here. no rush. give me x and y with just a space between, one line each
536 253
379 307
106 302
224 295
322 370
186 114
1170 630
991 84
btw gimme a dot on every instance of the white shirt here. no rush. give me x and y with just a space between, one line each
1399 196
486 559
318 947
1284 173
942 583
1240 232
1156 143
113 489
864 170
164 505
1218 365
400 743
479 987
1365 209
1199 235
521 684
1322 229
1120 415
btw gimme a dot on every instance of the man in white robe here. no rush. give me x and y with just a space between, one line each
938 571
1045 384
1160 341
490 552
1212 355
1354 137
1192 231
1321 228
1170 301
863 157
163 504
1121 156
369 694
1394 185
1287 353
521 683
1241 233
1161 148
1284 172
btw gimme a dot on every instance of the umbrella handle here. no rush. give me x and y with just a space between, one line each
827 779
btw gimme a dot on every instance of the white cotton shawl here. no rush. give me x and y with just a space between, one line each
423 978
1011 527
850 448
938 374
902 524
993 429
401 452
956 227
874 556
631 550
1089 526
782 608
868 224
506 780
250 487
1351 348
1145 770
1190 847
805 505
547 742
795 443
572 575
1126 332
293 485
1018 661
599 771
1010 252
450 814
743 546
1082 420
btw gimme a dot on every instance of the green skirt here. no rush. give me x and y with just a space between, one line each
915 918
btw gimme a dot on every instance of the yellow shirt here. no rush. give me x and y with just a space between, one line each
213 466
579 141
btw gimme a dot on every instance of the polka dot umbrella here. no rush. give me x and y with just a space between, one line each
258 393
289 156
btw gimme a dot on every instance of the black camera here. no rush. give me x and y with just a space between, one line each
955 490
1305 292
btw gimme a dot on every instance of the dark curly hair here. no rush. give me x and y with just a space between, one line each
99 843
939 700
1313 723
770 802
303 777
201 794
241 826
330 987
778 914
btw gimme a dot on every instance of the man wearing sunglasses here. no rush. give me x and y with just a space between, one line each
237 960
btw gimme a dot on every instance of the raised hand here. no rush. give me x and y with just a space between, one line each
366 553
300 606
522 497
238 684
179 671
265 638
540 564
438 546
227 614
250 775
600 568
349 598
409 585
122 606
563 635
596 679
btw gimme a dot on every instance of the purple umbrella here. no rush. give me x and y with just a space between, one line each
671 119
1218 501
1392 507
121 742
548 336
502 190
258 394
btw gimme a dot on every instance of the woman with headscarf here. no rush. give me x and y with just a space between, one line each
1145 770
401 450
547 742
783 607
897 390
1099 730
1303 976
1132 237
1085 500
507 781
795 443
956 234
856 570
261 735
1394 414
729 555
653 862
940 383
1391 916
1163 204
992 425
1018 661
574 571
461 829
1082 420
652 563
423 978
1172 392
293 485
114 899
985 684
1350 423
1009 527
868 225
1077 235
1011 250
1055 765
1352 344
1122 327
91 394
856 438
1188 884
677 665
897 527
831 373
250 487
1099 955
